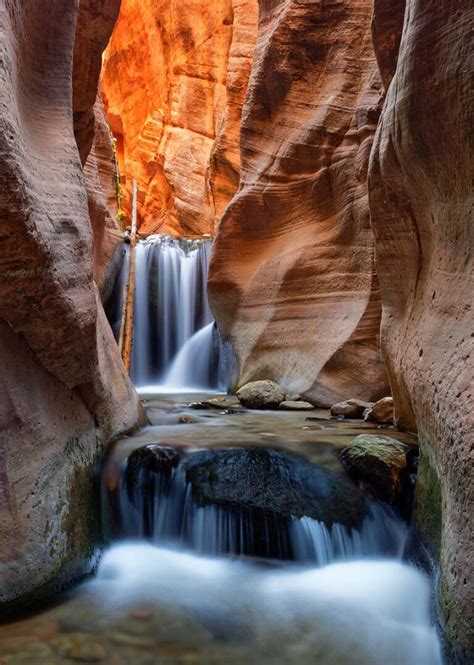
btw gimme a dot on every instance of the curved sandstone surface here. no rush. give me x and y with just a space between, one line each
94 25
63 389
100 172
422 206
174 80
292 279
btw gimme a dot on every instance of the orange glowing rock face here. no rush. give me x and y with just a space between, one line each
292 280
174 81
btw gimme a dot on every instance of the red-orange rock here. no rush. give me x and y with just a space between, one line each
63 389
292 279
174 80
422 213
100 171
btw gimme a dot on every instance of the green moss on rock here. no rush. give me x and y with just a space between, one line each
458 627
428 508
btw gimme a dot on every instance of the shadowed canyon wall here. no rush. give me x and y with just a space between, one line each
63 389
292 280
174 80
422 207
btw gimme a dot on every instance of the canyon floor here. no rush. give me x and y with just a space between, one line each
173 608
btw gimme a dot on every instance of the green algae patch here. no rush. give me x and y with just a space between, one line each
428 507
457 625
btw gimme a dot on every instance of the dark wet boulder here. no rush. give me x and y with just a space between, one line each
147 466
383 467
274 482
155 457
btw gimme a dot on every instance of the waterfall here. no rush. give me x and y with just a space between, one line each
176 343
155 502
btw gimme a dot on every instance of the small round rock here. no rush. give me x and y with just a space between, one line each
292 405
351 408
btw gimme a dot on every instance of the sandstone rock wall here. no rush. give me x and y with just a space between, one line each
63 389
422 207
100 171
174 79
94 26
292 280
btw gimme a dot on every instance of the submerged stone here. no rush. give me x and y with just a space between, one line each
79 647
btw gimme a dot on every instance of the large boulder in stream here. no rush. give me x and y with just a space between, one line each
255 502
275 482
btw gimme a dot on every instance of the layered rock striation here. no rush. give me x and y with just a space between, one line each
292 280
422 205
64 392
174 80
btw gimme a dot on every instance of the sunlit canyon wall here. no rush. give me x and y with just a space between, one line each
63 389
174 79
292 280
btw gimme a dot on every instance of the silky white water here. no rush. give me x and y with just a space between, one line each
352 613
175 341
161 507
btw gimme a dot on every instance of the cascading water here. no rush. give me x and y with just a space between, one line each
176 343
157 501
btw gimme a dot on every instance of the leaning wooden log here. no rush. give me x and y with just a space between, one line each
126 328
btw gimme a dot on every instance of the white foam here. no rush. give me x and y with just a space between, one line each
353 613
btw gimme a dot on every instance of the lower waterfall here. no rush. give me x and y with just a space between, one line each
156 500
176 344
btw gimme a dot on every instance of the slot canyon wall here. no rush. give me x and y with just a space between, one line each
64 392
173 83
292 280
422 208
285 134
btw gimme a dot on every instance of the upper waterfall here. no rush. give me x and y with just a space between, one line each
175 341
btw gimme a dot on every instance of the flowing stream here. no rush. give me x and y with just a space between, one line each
181 583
